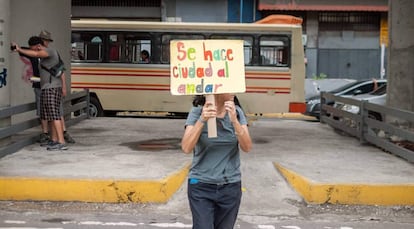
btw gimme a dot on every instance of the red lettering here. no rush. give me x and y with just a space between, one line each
230 54
180 46
174 73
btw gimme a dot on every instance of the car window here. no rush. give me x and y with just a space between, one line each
346 86
380 91
366 88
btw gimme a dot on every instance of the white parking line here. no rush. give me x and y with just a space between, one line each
31 228
14 222
176 225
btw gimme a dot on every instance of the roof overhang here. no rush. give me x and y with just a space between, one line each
314 5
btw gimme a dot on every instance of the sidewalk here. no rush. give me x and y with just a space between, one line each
139 160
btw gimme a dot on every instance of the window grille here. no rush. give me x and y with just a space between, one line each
356 21
117 3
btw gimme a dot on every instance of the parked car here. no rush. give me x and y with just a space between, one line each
377 97
313 104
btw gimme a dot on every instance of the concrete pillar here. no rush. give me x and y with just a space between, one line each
4 61
312 28
28 18
400 74
20 19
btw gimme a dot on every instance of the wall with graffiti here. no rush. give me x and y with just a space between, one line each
31 17
19 20
4 54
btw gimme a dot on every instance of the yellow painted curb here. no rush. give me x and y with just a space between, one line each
364 194
288 115
86 190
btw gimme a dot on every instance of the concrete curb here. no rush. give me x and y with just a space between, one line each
297 116
87 190
364 194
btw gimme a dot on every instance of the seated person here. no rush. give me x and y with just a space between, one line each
145 57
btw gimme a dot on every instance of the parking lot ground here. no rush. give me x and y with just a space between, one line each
119 160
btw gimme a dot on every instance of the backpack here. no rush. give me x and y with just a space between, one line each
56 70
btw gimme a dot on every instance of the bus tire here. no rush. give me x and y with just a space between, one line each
95 108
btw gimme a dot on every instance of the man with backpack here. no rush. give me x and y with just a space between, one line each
53 88
46 37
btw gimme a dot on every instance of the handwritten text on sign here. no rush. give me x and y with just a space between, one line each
207 67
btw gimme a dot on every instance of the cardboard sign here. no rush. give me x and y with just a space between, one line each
202 67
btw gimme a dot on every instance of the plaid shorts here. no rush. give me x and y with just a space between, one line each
51 99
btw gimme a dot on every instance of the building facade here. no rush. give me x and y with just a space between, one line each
342 38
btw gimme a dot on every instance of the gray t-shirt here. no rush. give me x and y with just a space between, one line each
46 80
216 160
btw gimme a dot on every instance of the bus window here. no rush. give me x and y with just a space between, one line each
93 49
247 47
86 47
127 47
166 38
77 51
115 47
274 51
134 47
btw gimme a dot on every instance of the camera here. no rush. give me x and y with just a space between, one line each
13 47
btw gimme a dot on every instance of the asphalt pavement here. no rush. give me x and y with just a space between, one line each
123 160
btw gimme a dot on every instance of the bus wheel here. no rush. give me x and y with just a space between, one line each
95 108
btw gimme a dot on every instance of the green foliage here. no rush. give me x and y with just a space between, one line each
319 77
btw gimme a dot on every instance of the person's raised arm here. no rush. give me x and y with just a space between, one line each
29 52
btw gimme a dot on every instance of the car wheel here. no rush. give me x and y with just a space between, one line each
375 115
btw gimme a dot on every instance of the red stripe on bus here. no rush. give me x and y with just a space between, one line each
168 89
164 73
168 86
125 88
121 84
118 70
119 74
267 78
146 75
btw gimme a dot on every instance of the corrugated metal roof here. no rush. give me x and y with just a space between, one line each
314 5
323 8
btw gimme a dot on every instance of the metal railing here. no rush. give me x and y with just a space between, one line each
388 128
18 135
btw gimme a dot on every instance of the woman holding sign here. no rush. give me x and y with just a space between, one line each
214 185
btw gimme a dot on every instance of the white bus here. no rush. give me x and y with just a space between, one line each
106 59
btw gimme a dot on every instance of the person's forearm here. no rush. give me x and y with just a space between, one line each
191 136
64 89
32 53
64 81
243 136
245 140
27 52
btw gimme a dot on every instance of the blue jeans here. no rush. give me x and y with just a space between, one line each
214 206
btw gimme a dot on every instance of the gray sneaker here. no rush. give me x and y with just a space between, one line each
48 143
58 146
43 138
68 138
